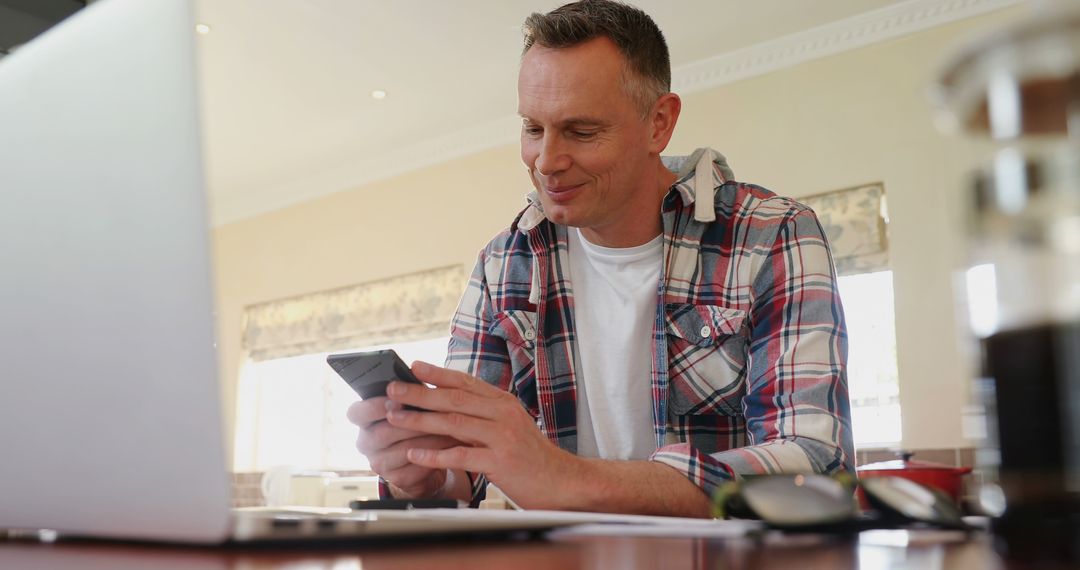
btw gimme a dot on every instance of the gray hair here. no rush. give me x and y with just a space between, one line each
648 67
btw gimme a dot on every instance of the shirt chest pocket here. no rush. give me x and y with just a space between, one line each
518 329
707 352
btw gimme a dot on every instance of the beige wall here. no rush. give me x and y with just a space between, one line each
853 118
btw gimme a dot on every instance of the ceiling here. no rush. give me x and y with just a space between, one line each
287 84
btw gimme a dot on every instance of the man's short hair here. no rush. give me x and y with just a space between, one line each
635 34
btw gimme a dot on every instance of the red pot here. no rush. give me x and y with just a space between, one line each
945 478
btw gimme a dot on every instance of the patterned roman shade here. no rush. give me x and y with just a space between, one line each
855 222
420 305
399 309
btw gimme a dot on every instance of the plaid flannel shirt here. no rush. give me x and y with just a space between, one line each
749 343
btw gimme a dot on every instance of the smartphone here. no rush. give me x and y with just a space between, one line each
406 504
368 373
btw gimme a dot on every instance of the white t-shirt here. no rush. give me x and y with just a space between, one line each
614 308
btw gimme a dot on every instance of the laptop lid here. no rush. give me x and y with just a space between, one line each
110 419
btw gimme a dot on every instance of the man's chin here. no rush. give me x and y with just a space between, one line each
560 215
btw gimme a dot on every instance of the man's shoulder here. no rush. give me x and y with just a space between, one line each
752 212
506 266
744 200
511 240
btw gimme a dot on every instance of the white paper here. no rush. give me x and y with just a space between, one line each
595 523
677 528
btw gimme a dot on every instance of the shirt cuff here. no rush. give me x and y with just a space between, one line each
700 468
384 489
478 482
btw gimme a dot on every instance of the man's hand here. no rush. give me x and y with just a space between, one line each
385 447
498 437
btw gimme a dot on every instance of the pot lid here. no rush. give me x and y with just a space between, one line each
906 463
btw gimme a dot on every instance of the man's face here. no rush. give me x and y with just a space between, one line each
583 138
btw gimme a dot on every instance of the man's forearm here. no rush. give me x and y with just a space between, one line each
638 487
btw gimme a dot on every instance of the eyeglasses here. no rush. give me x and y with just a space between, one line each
820 502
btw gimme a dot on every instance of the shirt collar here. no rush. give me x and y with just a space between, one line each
704 168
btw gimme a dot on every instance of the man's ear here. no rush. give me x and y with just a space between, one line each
662 119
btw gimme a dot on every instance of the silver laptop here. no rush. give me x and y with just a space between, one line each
110 416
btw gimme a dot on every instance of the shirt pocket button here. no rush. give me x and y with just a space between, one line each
705 332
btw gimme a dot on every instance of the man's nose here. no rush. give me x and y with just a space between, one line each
553 157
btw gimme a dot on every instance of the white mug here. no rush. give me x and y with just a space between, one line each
277 485
309 488
285 485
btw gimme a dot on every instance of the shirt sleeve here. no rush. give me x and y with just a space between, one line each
475 350
798 416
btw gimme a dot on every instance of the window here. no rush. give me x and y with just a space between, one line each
292 410
855 220
290 403
873 383
980 283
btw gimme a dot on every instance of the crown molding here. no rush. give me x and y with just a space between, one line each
843 35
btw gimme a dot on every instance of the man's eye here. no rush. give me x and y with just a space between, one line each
583 134
533 131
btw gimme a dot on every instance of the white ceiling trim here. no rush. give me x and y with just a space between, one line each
844 35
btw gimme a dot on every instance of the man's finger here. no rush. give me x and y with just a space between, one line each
473 459
394 457
408 477
465 428
446 378
366 412
382 435
443 400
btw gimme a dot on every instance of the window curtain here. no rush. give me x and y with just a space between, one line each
855 221
398 309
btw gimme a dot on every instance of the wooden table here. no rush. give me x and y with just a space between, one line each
877 549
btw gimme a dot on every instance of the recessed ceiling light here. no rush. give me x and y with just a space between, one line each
378 94
202 29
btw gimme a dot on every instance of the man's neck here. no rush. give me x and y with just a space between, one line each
641 225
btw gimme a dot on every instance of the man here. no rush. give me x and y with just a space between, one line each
639 334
